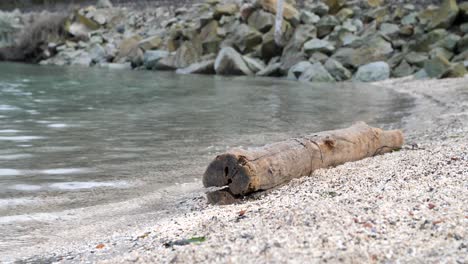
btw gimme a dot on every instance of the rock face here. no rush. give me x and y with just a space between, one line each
230 62
322 41
375 71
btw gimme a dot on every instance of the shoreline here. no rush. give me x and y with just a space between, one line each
404 206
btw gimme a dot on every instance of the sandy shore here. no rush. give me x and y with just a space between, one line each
406 206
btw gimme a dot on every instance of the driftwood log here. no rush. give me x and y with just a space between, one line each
245 171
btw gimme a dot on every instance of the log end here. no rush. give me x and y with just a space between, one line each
231 170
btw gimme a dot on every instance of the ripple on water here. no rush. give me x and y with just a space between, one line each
16 202
15 156
87 185
8 108
57 125
9 131
20 138
10 172
32 112
25 187
43 121
60 171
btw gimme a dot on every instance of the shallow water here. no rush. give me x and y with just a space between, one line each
75 137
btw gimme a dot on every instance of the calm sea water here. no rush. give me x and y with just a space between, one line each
74 137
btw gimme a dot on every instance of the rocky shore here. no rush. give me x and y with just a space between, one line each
322 41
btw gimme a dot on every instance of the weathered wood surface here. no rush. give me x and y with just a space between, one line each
249 170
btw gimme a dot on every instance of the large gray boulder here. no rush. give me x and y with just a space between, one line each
390 30
437 66
230 62
152 57
318 45
246 38
203 67
188 53
461 57
337 70
462 44
254 64
366 50
261 20
272 69
318 8
297 70
326 25
403 69
316 73
375 71
292 52
97 53
104 4
416 58
209 37
445 15
269 48
424 42
442 52
309 17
